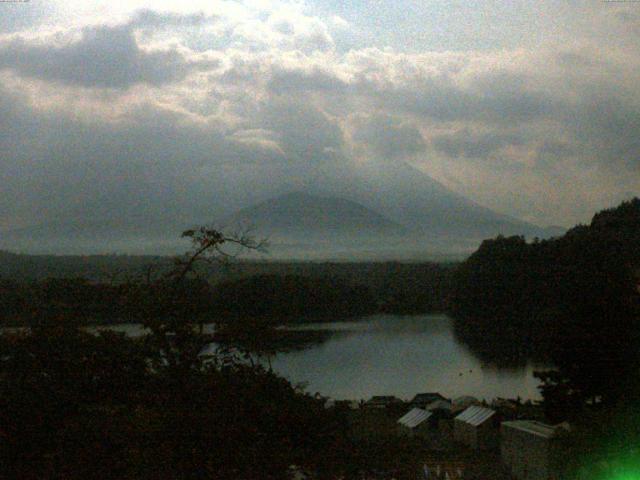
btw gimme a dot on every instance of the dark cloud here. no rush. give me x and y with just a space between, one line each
556 148
104 57
318 39
389 137
17 16
279 102
552 153
284 27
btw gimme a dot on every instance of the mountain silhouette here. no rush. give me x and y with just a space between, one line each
299 214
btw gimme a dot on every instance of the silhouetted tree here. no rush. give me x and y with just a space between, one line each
576 301
77 405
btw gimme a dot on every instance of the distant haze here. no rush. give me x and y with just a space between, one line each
121 123
394 212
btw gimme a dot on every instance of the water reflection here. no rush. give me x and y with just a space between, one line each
390 354
399 355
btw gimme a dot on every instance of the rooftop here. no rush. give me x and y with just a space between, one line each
465 400
439 405
531 426
414 417
475 415
428 397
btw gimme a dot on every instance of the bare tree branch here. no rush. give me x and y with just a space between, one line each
208 246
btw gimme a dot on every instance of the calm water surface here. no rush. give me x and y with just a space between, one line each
391 355
399 355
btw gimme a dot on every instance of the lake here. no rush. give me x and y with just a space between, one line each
402 356
391 355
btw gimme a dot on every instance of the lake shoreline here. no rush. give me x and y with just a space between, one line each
385 355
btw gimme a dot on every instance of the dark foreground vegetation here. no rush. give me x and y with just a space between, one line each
537 294
76 405
576 301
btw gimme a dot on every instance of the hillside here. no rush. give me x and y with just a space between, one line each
418 201
520 299
299 214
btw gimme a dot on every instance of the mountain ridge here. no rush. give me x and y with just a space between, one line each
298 212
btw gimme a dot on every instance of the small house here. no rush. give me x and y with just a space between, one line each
421 400
441 408
382 401
527 448
461 403
415 423
476 427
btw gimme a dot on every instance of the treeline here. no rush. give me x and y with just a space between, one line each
114 268
397 287
282 300
334 289
292 298
283 297
96 268
523 298
573 299
87 303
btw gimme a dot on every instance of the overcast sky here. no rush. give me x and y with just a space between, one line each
529 108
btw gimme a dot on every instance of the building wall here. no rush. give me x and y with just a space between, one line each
465 434
526 455
487 435
424 430
482 437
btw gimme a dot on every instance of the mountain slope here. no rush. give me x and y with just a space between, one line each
299 214
419 202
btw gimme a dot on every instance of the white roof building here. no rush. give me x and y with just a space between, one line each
476 427
416 423
528 448
533 427
475 415
414 417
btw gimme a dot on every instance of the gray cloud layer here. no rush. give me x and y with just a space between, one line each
102 57
389 137
188 114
